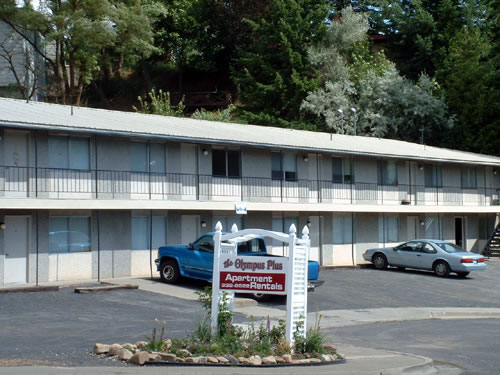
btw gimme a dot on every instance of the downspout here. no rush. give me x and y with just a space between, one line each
37 243
151 242
98 248
352 238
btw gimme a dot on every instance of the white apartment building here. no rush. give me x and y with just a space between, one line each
88 193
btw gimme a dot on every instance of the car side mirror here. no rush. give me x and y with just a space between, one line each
190 246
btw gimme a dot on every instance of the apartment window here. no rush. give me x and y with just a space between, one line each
387 172
433 176
434 227
147 157
69 234
226 163
141 235
69 152
342 229
469 179
341 170
388 229
284 166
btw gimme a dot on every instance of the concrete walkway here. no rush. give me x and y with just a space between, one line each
358 360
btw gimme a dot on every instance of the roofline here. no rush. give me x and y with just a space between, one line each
69 129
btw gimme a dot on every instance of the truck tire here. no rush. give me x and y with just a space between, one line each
169 271
260 297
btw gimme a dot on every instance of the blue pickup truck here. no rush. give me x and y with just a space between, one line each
196 259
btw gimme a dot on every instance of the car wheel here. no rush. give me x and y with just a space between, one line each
261 297
441 269
169 271
462 274
379 261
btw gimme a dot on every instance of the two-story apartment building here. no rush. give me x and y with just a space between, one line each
88 193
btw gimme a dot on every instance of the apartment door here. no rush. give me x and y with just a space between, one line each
16 245
413 183
459 231
411 228
16 161
190 225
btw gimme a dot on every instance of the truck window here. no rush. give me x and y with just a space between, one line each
256 245
205 243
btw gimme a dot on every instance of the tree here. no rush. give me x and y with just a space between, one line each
274 73
81 37
387 105
19 58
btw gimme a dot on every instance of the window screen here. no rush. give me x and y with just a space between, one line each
139 154
69 234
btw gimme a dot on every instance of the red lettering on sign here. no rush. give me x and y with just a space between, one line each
273 283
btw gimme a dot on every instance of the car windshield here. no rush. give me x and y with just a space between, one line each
450 247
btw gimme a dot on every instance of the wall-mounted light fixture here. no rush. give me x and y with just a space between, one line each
308 223
495 172
2 226
203 224
421 167
205 152
306 159
422 223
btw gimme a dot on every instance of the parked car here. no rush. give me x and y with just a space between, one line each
439 256
196 260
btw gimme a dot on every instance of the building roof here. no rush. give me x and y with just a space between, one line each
36 115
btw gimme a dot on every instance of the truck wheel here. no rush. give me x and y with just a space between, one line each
261 297
169 271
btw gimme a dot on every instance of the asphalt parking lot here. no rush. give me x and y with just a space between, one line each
63 326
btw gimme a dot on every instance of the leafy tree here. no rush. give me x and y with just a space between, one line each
387 105
274 73
468 74
82 37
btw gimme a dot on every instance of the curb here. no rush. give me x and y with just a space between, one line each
106 288
30 289
427 367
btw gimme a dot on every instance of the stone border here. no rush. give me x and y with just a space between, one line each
132 353
30 289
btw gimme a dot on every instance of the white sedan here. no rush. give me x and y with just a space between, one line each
439 256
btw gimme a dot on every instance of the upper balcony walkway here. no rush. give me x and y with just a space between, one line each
66 184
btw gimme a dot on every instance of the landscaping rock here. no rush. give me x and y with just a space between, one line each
287 358
129 346
101 348
192 360
168 344
168 357
279 359
125 354
327 357
222 359
244 360
232 359
180 360
139 358
255 360
314 360
270 360
141 344
154 356
212 360
184 353
114 349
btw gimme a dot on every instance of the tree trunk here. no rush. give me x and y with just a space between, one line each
101 95
148 84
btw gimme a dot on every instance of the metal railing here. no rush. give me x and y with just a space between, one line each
107 184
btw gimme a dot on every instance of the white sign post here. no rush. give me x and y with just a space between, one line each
269 275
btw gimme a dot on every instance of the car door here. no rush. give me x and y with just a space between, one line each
201 258
426 256
407 255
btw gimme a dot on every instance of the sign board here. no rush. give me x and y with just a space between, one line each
241 208
268 275
250 274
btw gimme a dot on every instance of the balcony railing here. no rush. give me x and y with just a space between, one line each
103 184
